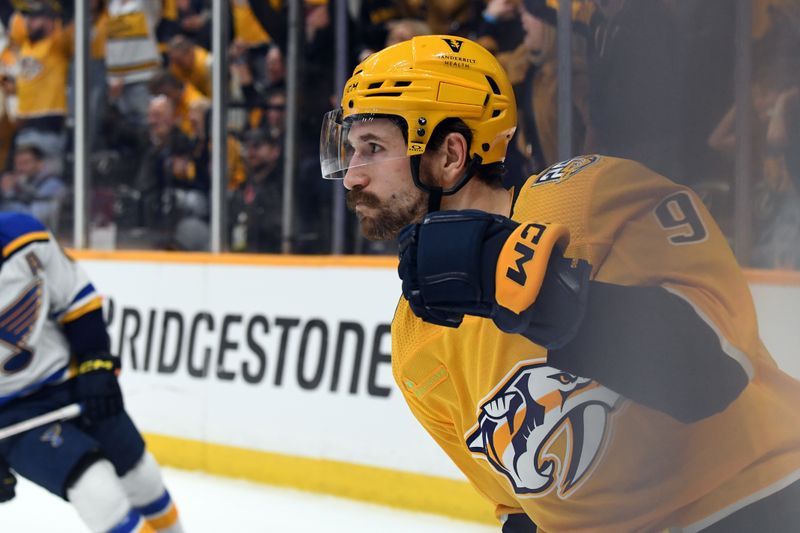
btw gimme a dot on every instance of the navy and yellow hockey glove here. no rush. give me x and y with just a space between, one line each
8 482
457 263
97 388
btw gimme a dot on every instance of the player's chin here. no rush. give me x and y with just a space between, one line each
378 231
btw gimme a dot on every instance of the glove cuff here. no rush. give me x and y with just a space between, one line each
97 361
522 263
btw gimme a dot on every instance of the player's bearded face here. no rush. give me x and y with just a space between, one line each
380 189
383 219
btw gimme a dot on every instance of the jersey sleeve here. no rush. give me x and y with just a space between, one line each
72 294
666 237
638 228
76 304
73 301
17 33
66 39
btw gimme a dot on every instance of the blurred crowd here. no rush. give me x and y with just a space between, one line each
653 80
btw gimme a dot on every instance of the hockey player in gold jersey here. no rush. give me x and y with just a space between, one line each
584 348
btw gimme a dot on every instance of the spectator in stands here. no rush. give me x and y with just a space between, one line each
185 200
317 80
501 31
254 91
182 95
199 117
44 49
256 206
97 85
634 85
31 188
374 17
173 187
275 68
8 104
190 63
775 142
453 17
194 21
163 133
775 204
783 129
404 29
500 28
783 137
250 37
275 121
537 137
132 55
266 109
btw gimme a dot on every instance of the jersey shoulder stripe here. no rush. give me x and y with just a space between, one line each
85 301
17 230
76 312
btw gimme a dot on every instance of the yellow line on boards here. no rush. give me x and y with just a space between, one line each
393 488
773 277
201 258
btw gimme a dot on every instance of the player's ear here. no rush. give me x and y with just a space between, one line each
455 154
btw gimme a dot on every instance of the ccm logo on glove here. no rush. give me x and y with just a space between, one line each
518 280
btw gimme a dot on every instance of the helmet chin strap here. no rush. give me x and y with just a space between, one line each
435 193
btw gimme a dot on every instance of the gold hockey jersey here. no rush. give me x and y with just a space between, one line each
571 453
42 73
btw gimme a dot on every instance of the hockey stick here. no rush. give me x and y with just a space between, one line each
68 411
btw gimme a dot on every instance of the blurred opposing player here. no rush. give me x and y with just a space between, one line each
584 349
54 350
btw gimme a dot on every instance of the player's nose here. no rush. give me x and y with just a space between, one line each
355 176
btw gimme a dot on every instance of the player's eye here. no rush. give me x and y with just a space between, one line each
374 148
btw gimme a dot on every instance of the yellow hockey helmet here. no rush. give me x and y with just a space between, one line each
426 80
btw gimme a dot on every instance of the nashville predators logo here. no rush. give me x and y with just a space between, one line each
543 429
565 169
30 68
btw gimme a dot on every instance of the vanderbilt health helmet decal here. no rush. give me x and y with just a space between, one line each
543 428
454 44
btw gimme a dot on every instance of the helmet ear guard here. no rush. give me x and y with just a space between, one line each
427 80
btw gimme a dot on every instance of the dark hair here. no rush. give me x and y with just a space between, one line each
32 149
489 174
163 80
181 42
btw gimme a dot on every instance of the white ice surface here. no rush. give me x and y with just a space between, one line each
211 504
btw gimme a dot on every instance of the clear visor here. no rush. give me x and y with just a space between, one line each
354 142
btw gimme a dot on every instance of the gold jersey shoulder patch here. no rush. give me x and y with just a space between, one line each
565 169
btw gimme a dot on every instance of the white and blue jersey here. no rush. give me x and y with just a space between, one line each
41 290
